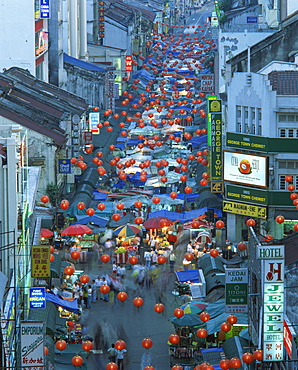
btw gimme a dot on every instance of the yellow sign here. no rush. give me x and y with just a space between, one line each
40 261
245 209
217 187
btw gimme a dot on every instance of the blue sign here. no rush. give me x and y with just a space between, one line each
252 20
44 9
64 166
37 298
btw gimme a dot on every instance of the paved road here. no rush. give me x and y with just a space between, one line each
108 323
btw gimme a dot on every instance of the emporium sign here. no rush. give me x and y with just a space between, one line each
273 327
236 290
32 345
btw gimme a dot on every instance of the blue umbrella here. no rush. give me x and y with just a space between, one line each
188 319
99 221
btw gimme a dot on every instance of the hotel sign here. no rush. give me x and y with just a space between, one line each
273 327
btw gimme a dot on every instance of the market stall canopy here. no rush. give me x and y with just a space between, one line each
157 223
127 219
96 220
194 307
188 319
45 233
74 230
213 325
99 195
165 200
188 275
183 216
71 306
213 356
129 202
128 230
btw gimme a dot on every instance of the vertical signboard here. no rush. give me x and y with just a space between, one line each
207 83
32 345
44 9
37 298
273 327
215 138
64 166
93 122
111 90
236 290
101 20
40 261
128 63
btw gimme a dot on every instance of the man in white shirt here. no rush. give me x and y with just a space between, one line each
120 357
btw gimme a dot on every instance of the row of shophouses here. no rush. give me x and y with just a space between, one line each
55 68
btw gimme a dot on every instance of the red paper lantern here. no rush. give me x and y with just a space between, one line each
81 205
84 279
112 365
295 227
90 211
116 217
251 222
161 259
133 260
122 296
241 246
204 316
258 355
44 199
52 258
149 367
159 308
138 302
188 189
87 345
75 255
61 345
225 327
202 333
174 339
219 224
52 249
173 195
64 204
247 358
225 364
73 161
178 312
232 319
69 270
120 206
45 351
105 258
280 219
120 345
214 253
289 178
268 238
138 220
138 203
77 361
189 256
104 289
177 367
147 343
294 196
291 187
235 363
203 182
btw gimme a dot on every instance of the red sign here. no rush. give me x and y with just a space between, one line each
288 338
87 137
128 63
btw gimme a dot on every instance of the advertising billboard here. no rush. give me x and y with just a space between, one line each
246 169
32 345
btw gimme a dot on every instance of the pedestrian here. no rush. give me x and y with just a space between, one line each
172 259
109 244
148 258
76 291
93 286
89 290
114 268
104 297
112 353
97 285
120 357
85 295
99 254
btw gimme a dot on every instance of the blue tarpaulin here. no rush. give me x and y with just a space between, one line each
120 146
99 221
99 196
183 216
134 141
196 141
71 306
188 275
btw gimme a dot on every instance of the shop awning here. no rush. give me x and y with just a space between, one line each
211 264
188 275
213 325
47 315
213 356
235 347
58 301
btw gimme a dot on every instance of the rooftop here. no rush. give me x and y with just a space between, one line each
284 82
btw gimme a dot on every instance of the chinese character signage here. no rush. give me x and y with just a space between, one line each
128 63
37 298
40 261
110 90
101 20
44 6
236 290
273 327
32 345
244 209
64 166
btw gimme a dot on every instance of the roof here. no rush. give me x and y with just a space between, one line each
82 64
37 105
284 82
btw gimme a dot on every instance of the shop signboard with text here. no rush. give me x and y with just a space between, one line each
273 318
246 169
215 134
236 290
32 345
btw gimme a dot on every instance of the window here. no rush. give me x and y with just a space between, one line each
260 129
283 184
287 118
239 127
288 132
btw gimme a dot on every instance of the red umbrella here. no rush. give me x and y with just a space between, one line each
46 233
157 223
73 230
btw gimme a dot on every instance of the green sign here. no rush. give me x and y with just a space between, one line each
216 165
236 290
209 98
262 144
250 195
